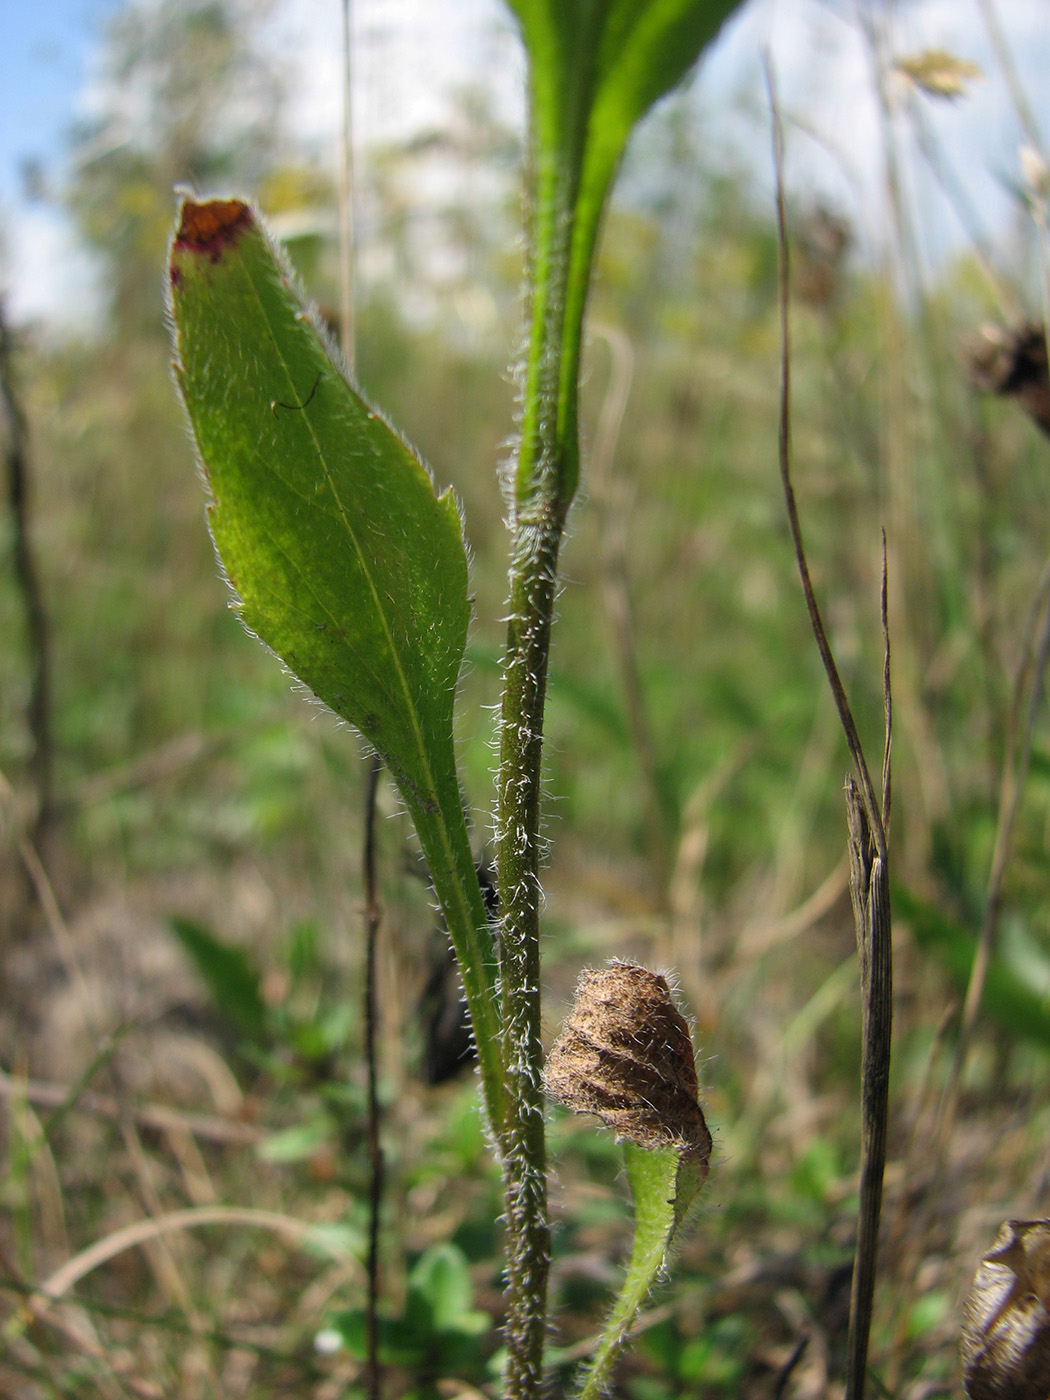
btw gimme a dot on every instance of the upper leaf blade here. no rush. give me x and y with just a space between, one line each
595 69
344 561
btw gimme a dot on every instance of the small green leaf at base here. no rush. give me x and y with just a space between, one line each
235 984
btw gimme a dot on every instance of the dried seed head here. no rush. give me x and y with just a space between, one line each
625 1054
1005 1346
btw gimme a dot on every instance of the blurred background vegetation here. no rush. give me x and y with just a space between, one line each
183 935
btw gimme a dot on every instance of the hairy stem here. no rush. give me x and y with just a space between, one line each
540 493
524 1149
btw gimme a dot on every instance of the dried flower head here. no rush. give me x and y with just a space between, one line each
1005 1346
938 73
625 1054
1012 361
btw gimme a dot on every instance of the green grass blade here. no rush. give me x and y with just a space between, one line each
664 1184
344 560
1009 1000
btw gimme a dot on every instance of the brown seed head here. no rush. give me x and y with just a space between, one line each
1005 1345
625 1054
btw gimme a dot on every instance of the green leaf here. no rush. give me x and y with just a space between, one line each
442 1276
597 66
595 69
231 978
344 560
295 1144
438 1324
1009 999
665 1185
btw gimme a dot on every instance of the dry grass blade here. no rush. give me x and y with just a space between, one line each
869 861
142 1232
869 887
838 690
64 1097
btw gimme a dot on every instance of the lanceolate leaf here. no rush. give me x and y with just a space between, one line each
597 66
344 560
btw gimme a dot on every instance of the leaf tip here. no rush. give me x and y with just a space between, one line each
208 229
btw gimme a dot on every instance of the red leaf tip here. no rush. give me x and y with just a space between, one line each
209 228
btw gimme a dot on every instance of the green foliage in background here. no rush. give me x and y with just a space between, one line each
193 779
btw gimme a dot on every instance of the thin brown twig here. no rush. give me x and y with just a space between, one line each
869 859
838 690
373 919
869 886
38 631
887 697
787 1370
346 201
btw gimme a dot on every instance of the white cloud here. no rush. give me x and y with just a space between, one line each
410 58
47 275
836 131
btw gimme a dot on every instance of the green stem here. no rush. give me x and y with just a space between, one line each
541 491
524 1148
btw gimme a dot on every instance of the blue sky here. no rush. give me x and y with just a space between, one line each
413 53
44 59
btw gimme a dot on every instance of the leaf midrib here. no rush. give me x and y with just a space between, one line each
362 558
432 796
